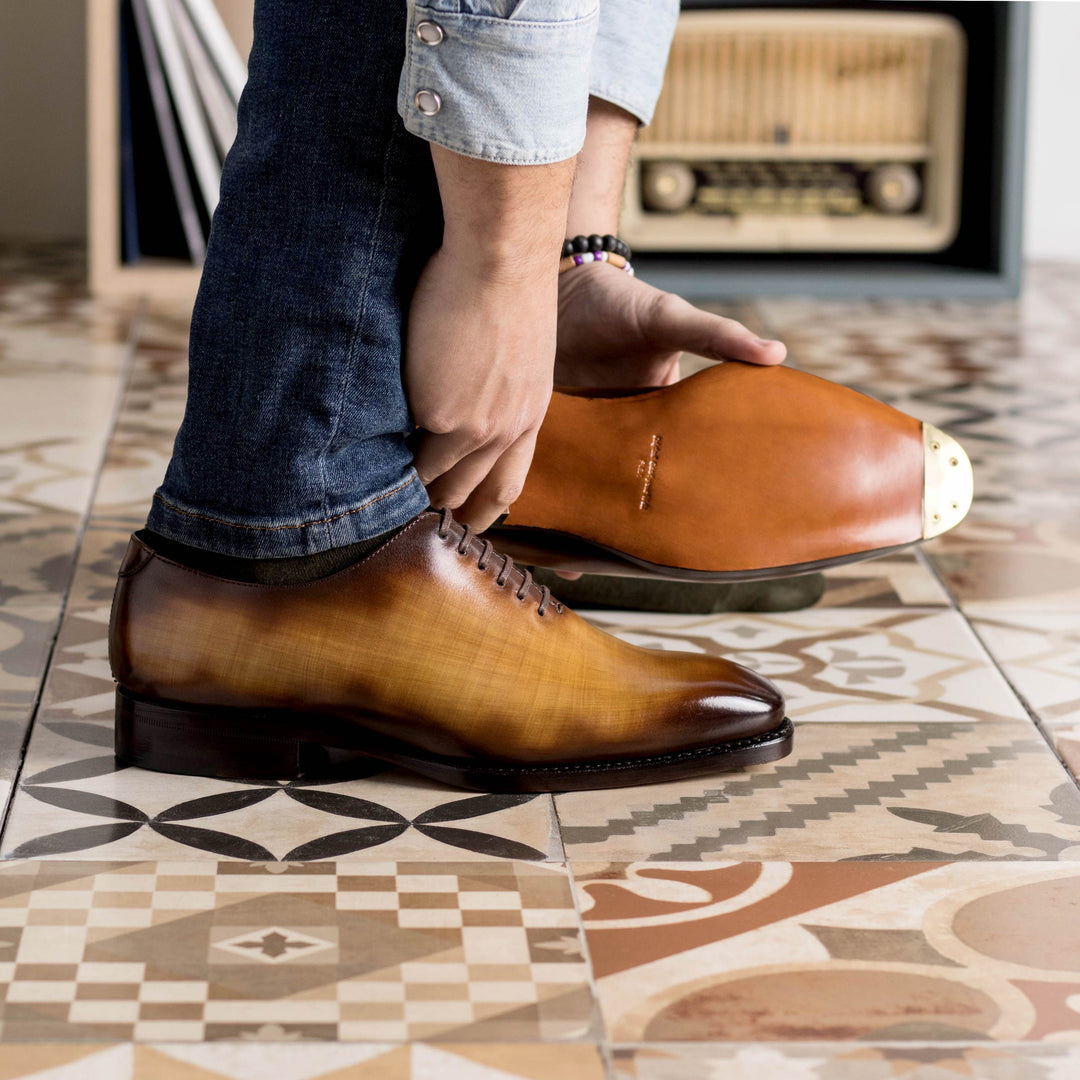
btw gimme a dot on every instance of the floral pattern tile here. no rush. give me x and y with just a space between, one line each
302 1060
54 423
1012 564
150 414
842 1061
891 952
26 635
849 792
857 665
37 553
204 951
902 580
1040 654
43 285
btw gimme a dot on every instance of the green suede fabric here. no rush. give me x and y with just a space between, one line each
683 597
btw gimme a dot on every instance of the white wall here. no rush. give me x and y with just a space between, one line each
1052 206
42 119
43 113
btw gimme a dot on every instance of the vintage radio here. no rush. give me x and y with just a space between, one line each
803 130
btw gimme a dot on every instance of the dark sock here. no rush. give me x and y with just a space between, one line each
294 570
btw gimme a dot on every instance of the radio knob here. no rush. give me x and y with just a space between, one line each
667 186
893 189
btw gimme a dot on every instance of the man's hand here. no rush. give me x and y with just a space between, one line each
480 343
614 330
480 346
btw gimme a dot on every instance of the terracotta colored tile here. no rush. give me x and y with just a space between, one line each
842 1061
897 952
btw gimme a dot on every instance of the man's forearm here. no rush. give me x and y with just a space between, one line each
601 170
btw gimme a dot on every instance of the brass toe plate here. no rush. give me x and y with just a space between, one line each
948 482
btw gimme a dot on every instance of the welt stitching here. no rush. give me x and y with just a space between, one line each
302 525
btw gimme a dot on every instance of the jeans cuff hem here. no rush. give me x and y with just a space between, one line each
268 539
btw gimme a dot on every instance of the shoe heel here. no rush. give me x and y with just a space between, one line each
230 744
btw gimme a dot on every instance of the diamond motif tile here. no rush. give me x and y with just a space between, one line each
363 951
988 791
274 945
892 952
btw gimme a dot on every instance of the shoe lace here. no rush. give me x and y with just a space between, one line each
487 550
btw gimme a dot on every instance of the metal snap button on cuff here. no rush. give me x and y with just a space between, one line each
428 102
429 33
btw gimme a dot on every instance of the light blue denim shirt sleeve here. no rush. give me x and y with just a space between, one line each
631 51
502 80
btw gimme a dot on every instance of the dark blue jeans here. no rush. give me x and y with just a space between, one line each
294 436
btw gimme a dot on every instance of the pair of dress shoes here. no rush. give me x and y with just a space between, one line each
437 652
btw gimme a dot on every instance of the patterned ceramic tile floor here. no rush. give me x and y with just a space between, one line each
899 898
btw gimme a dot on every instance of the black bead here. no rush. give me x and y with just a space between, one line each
610 242
581 244
567 248
623 250
596 242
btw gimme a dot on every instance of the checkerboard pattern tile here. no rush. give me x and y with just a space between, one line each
175 951
301 1061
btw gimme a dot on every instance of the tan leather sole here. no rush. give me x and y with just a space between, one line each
736 473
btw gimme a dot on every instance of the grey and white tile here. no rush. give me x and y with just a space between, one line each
858 665
849 792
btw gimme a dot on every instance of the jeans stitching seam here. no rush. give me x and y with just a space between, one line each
361 310
301 525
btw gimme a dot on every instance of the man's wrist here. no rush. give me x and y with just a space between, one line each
510 216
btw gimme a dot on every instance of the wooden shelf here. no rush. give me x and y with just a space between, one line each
109 276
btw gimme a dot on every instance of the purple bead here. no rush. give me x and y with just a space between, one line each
578 260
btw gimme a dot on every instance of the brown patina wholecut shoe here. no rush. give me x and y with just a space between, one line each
733 474
435 653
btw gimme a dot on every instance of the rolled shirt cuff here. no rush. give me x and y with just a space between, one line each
509 89
631 51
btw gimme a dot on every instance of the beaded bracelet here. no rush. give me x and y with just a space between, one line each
570 261
579 245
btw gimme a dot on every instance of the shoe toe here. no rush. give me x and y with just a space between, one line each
740 703
948 482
